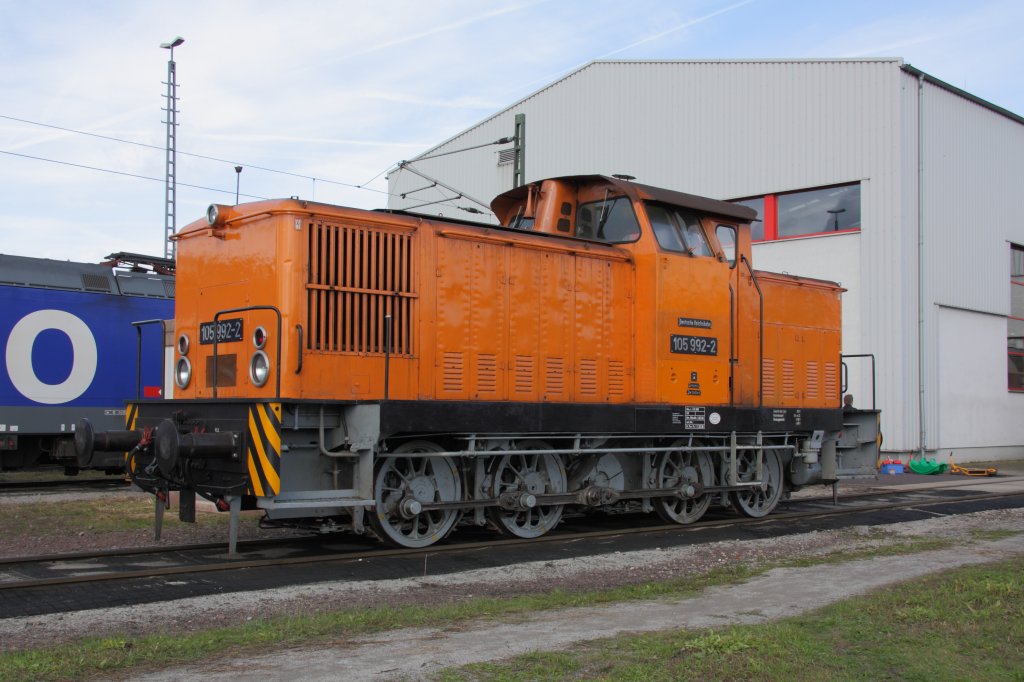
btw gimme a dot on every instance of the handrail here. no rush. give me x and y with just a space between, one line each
844 384
760 363
277 364
138 356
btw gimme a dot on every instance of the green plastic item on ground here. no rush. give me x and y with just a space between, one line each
926 466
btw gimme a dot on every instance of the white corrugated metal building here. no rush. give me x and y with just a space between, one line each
907 190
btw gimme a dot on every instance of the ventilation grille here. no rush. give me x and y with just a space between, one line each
831 380
616 378
523 381
788 380
453 372
768 379
813 380
506 156
487 373
588 377
358 276
95 283
554 376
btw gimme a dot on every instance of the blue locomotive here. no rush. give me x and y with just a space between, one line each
69 349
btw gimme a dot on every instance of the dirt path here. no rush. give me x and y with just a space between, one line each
416 653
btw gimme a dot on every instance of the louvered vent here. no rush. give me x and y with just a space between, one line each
453 372
95 283
768 379
506 156
616 378
487 373
812 380
588 376
788 380
523 374
831 380
554 376
357 276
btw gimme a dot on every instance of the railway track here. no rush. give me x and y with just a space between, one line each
41 584
63 484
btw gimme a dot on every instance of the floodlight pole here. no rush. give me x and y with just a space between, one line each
170 224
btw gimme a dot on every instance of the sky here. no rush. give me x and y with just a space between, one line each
320 98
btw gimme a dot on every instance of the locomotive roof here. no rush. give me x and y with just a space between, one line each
642 192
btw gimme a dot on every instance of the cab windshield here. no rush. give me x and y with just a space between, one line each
610 220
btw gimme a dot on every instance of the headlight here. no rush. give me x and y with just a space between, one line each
259 338
259 368
182 372
212 213
183 344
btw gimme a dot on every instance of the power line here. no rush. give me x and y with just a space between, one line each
400 166
197 156
115 172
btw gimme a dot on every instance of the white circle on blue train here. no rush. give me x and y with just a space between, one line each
22 371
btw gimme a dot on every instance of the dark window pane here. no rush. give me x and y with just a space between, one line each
819 210
1015 372
757 226
610 221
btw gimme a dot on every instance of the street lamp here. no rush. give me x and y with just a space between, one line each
171 187
238 181
835 214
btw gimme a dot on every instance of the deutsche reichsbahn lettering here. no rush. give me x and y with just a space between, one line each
694 322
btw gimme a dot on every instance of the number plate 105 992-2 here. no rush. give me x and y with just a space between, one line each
694 345
222 330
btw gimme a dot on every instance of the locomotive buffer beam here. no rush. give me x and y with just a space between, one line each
87 441
170 446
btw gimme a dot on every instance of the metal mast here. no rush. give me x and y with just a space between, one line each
171 107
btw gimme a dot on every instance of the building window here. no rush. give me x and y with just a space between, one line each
1015 321
818 211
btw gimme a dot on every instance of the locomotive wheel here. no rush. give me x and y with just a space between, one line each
758 503
403 484
521 477
676 468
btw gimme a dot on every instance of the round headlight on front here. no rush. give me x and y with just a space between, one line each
182 372
212 213
259 368
183 344
259 338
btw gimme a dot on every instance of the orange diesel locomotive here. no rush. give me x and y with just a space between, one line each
609 343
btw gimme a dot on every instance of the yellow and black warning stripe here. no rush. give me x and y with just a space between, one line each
264 449
131 415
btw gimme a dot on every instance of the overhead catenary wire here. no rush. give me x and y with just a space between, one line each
124 173
197 156
403 165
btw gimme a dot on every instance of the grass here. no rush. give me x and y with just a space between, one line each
99 514
966 624
104 656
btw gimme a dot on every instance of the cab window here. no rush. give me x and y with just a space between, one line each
727 238
678 230
611 220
